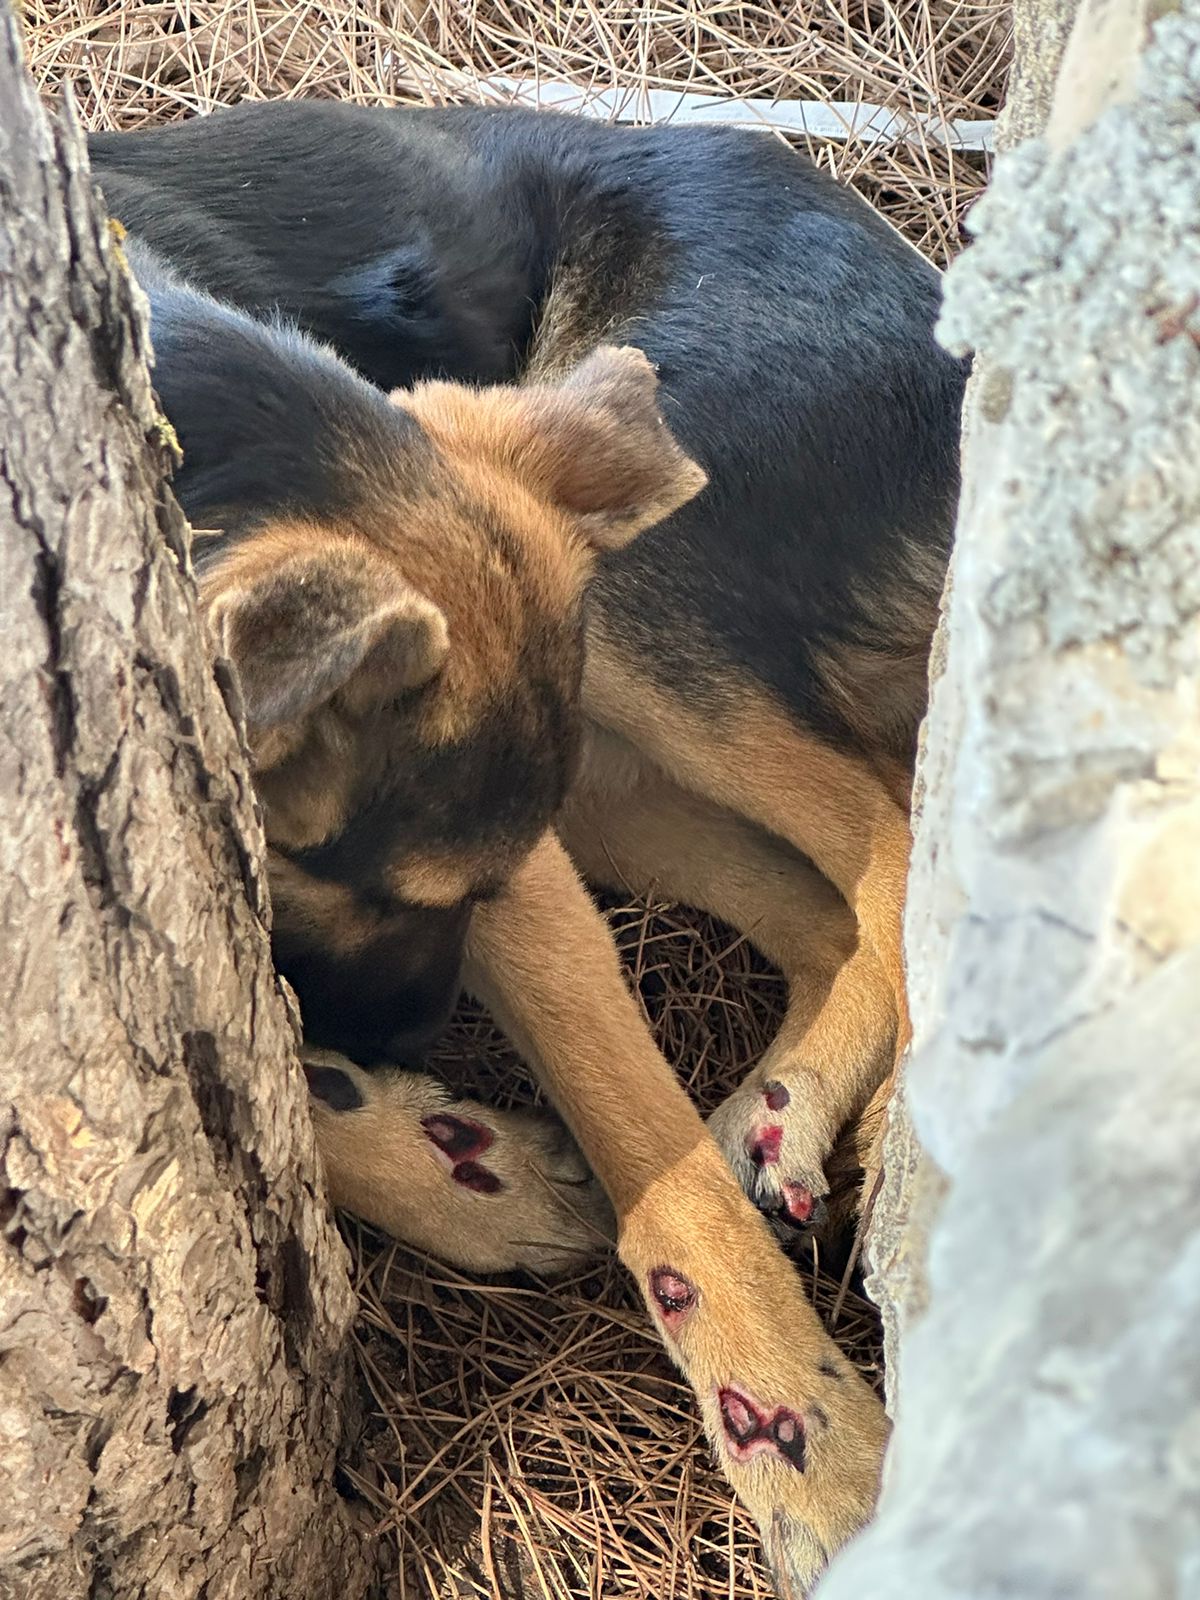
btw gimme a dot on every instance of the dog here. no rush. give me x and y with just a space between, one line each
583 498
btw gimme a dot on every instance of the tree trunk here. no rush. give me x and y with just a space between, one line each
1036 1243
174 1303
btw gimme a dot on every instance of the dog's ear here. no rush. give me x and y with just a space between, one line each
600 449
301 613
593 445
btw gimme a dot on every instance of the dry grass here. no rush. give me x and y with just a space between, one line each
518 1441
135 63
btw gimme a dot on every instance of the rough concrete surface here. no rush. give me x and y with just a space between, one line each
1046 1285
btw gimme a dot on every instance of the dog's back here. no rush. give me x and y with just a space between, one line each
791 328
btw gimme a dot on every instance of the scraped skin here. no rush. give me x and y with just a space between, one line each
487 1190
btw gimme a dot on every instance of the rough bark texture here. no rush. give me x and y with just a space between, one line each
1037 1244
173 1301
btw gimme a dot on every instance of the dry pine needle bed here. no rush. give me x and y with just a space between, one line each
517 1441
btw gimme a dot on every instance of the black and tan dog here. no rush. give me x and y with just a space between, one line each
474 622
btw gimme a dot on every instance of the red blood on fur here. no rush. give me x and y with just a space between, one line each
457 1137
751 1431
798 1201
742 1420
764 1145
673 1294
472 1176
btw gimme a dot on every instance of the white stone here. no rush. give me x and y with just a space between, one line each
1037 1250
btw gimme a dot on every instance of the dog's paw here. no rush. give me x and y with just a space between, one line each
776 1142
489 1190
809 1472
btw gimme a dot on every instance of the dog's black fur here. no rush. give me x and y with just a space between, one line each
791 328
745 678
793 336
269 421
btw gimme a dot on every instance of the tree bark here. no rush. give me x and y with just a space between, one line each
173 1300
1035 1244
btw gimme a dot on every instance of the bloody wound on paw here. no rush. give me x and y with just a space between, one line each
673 1294
462 1141
751 1431
456 1137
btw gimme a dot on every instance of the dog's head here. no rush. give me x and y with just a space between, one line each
411 678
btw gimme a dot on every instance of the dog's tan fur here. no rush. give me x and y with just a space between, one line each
447 652
846 814
627 825
379 1164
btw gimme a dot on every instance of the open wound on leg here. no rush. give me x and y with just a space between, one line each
462 1142
764 1144
751 1430
776 1096
673 1296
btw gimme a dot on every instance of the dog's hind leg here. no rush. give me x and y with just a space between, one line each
488 1190
750 756
627 825
798 1432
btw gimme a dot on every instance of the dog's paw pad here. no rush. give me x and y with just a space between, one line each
787 1434
332 1086
777 1096
457 1137
473 1176
741 1419
751 1429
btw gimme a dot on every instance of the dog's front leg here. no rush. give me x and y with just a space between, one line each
797 1431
